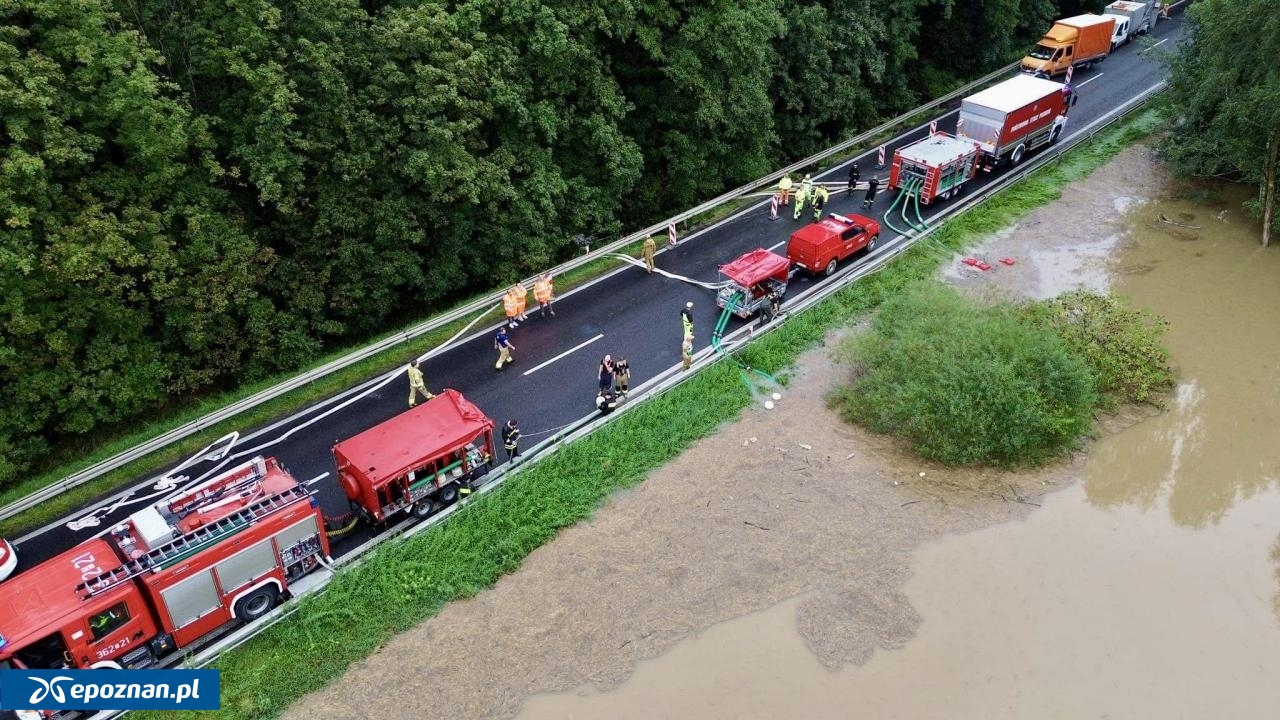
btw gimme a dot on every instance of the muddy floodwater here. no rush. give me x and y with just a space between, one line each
1148 589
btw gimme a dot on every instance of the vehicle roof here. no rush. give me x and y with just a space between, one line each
1016 92
38 601
938 150
755 266
392 448
1085 20
1125 5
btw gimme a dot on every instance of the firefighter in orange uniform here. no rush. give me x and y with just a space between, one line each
520 291
544 293
511 306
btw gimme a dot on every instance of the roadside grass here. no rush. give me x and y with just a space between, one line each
405 582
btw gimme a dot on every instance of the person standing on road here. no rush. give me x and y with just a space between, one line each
854 174
605 373
521 293
686 351
622 376
544 293
802 194
872 185
511 439
511 306
820 195
784 189
649 247
504 347
417 385
686 319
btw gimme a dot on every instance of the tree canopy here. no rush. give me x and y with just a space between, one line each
1224 91
197 195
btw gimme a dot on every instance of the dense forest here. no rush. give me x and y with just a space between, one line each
197 195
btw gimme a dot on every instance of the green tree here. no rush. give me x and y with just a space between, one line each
1224 92
119 260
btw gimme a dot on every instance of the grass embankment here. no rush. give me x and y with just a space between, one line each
406 582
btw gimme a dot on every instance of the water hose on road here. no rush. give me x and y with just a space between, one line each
640 264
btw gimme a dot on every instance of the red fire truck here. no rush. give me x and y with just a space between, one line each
937 166
172 573
418 460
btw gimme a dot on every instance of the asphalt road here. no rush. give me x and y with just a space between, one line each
628 313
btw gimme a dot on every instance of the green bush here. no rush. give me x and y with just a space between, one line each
965 383
1121 345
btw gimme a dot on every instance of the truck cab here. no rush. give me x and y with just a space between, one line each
46 625
1121 34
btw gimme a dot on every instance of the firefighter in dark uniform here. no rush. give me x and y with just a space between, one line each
511 439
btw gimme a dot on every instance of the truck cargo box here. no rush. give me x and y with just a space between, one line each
1023 111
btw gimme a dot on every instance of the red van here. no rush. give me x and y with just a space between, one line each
820 246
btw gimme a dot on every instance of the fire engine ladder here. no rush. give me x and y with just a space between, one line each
191 542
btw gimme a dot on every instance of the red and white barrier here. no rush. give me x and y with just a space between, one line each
773 208
671 233
881 156
933 128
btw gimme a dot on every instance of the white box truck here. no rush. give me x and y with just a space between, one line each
1133 17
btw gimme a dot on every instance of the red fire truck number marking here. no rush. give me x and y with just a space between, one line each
110 650
87 564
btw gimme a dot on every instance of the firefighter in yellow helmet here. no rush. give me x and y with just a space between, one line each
784 190
649 247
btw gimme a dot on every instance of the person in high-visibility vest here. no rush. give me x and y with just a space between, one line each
806 185
802 194
784 190
544 293
649 248
820 195
520 291
686 351
417 384
686 318
511 306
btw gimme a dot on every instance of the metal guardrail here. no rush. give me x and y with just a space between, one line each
483 304
673 377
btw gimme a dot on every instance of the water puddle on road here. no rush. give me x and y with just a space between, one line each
1149 590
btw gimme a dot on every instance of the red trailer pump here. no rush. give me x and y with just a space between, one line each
417 460
936 166
171 574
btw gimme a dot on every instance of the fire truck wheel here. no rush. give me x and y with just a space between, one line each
1016 157
422 510
448 494
257 603
1054 134
830 269
872 243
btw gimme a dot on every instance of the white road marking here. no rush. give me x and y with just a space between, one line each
575 348
1086 82
1153 47
316 479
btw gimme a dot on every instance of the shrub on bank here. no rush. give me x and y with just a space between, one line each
966 383
1120 344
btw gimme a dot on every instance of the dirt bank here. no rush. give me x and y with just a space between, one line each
780 503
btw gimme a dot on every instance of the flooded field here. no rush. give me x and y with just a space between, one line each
1151 589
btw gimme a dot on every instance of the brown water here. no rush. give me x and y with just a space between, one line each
1150 590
